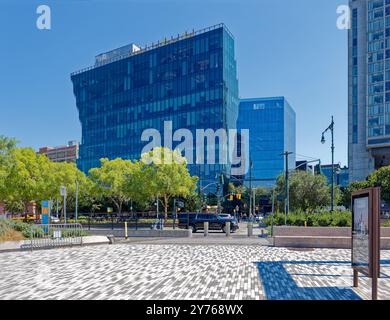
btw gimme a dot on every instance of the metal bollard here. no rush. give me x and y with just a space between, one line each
126 235
111 238
227 228
250 229
206 229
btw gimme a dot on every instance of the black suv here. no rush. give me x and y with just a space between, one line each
196 221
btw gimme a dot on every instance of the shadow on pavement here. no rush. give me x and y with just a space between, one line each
279 285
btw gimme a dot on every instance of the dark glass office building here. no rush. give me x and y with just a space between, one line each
190 80
271 124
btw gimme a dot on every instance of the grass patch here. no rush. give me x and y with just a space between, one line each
11 235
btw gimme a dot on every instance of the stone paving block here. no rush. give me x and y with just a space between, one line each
171 271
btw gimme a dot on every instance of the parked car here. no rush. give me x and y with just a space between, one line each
54 220
196 221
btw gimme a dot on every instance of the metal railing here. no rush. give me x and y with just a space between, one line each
55 235
164 42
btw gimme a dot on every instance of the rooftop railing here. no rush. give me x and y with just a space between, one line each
159 44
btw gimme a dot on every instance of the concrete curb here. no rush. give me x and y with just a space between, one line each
12 246
178 233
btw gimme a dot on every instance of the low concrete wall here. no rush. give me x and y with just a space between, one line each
177 233
321 231
26 244
320 237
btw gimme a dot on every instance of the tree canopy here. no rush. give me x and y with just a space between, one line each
307 192
165 175
111 178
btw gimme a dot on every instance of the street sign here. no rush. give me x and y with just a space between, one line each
63 191
109 210
366 235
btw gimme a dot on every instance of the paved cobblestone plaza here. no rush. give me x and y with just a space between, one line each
147 271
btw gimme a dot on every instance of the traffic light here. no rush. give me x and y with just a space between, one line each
238 196
231 197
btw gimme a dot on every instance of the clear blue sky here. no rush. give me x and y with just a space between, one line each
288 48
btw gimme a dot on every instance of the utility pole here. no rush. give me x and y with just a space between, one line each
254 202
157 208
63 193
286 199
219 187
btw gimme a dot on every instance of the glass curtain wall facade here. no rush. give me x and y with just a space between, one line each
369 87
190 80
272 131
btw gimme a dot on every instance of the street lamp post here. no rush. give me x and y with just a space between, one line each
331 128
77 200
286 186
63 193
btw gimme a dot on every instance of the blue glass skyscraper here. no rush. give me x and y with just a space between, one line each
271 124
190 80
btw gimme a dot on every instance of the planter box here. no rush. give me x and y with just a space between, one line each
320 237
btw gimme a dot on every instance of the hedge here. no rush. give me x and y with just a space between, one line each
321 219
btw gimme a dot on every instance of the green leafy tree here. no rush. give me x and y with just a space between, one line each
6 147
307 192
347 192
381 178
137 187
111 180
165 175
68 175
26 177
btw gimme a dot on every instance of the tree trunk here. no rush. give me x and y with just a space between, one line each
118 205
25 205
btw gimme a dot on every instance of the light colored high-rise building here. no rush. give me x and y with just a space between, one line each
369 87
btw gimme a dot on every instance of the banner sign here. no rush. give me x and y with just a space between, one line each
45 211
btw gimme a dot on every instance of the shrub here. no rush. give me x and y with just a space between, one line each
24 229
387 224
319 219
68 233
